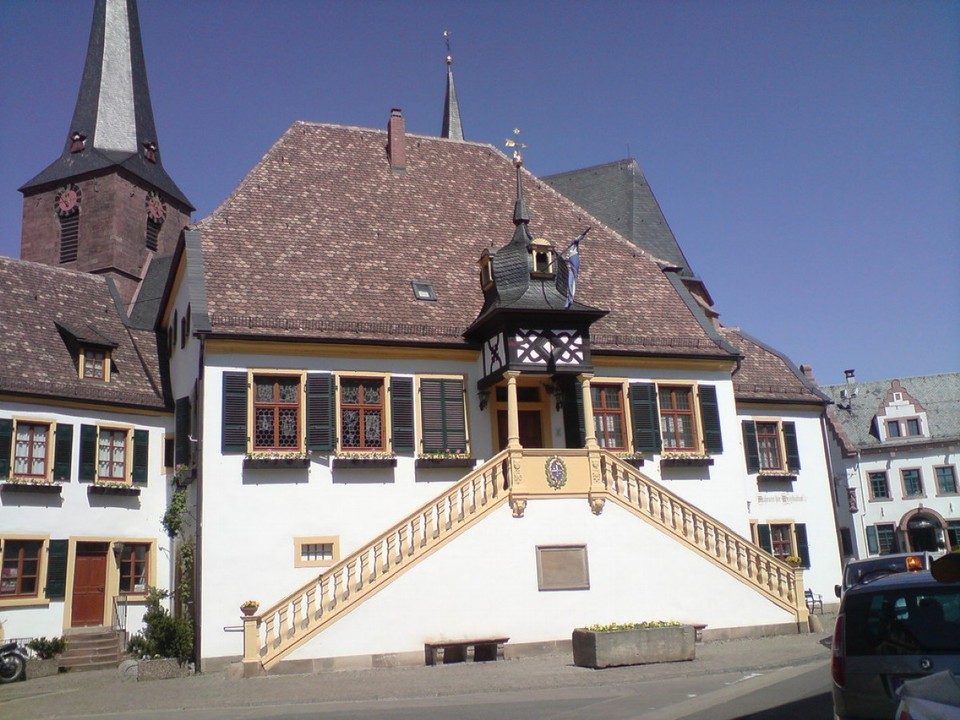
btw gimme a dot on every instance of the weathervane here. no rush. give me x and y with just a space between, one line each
446 39
516 145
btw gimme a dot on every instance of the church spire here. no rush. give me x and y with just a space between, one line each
452 128
112 123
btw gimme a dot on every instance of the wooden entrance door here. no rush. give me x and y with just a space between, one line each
89 584
531 428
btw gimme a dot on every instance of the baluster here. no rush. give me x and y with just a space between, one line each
473 489
282 629
448 511
268 626
462 500
742 560
414 534
311 605
295 615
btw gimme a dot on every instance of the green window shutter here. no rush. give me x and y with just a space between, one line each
803 549
646 419
88 452
750 447
234 430
320 432
444 419
790 445
763 538
141 455
63 452
401 414
181 418
710 418
57 570
873 546
6 447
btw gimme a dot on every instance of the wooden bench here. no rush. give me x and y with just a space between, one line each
454 651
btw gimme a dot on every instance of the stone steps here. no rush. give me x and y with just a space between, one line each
93 649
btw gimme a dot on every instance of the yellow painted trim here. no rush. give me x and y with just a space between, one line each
51 440
81 405
113 568
386 420
624 384
299 542
106 364
174 289
38 600
320 349
127 452
419 406
662 363
301 408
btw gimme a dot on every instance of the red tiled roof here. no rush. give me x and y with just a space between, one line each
765 374
34 355
321 240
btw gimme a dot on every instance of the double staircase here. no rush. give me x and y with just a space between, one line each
514 476
98 648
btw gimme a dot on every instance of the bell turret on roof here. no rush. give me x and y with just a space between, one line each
452 128
112 124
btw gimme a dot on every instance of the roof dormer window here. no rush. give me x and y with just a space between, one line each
486 271
541 259
95 364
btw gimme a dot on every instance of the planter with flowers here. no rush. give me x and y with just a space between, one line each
685 459
30 484
632 459
793 561
446 458
249 607
373 459
261 460
110 487
601 646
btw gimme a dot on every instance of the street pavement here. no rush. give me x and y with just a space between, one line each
721 671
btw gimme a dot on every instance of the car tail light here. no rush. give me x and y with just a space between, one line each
838 667
914 563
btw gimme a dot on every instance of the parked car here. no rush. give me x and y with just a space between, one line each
857 571
892 628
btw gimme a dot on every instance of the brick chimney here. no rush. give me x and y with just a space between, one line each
397 142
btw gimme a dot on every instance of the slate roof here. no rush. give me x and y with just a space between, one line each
938 394
36 357
322 240
619 195
767 375
113 110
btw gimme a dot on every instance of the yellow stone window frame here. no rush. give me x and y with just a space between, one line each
306 540
301 376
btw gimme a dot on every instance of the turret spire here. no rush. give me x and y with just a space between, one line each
113 120
452 128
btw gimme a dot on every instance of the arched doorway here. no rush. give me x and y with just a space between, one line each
924 530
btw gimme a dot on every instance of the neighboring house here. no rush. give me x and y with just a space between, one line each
83 431
897 445
86 419
401 415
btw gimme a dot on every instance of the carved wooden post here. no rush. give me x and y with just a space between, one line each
589 428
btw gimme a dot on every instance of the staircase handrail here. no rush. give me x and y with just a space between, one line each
301 614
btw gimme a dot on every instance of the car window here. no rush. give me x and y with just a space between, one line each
903 621
859 571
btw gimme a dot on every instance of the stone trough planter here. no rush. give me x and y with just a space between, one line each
161 669
37 668
596 649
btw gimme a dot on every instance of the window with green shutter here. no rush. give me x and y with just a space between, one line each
234 425
401 414
88 452
443 414
63 452
646 420
182 429
141 456
320 412
57 569
710 419
6 447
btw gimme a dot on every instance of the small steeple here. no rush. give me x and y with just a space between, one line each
452 128
520 214
113 120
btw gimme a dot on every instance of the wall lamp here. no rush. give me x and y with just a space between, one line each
484 397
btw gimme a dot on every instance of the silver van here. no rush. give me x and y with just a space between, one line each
891 629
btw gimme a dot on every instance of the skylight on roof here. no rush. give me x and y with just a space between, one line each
423 291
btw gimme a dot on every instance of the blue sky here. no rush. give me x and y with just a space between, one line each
805 154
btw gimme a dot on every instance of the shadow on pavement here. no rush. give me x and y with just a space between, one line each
818 707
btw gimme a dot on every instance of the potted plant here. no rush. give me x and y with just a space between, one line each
445 458
165 646
249 607
600 646
45 663
793 561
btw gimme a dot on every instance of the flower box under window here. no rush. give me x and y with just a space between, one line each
686 461
38 486
454 462
770 475
345 461
277 462
112 489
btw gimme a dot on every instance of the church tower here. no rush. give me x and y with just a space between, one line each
106 205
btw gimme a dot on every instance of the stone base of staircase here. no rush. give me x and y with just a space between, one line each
97 648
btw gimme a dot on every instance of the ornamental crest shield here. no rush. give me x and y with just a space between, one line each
556 471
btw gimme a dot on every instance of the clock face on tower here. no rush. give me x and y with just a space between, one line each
68 200
155 209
